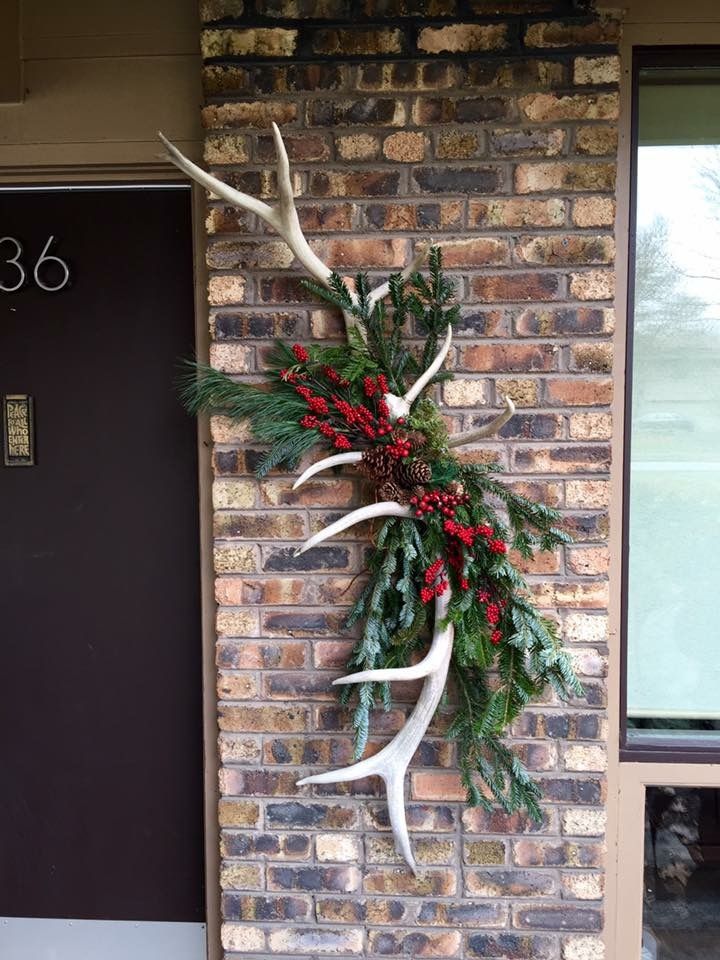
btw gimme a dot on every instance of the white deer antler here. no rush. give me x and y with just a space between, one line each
488 430
386 508
335 461
283 218
400 406
392 761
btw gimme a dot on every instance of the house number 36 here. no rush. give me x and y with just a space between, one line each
44 259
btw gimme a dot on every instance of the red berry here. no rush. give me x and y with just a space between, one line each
301 354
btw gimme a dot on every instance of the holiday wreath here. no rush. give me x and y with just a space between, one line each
448 526
504 652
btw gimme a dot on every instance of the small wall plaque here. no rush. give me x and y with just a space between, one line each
19 430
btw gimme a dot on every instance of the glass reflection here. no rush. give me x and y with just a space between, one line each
681 903
673 669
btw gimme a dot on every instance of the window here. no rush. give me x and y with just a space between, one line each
671 627
681 893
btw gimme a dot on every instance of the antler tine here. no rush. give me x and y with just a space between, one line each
336 460
283 218
422 381
392 761
489 430
233 196
400 406
387 508
380 292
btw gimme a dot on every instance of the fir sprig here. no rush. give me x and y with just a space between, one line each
505 653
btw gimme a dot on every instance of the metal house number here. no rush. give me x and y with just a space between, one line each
43 259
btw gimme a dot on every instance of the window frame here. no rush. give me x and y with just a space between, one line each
676 749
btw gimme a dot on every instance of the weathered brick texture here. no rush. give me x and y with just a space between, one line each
491 126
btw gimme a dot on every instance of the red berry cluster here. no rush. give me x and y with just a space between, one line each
464 534
379 385
497 546
334 377
436 500
434 587
400 449
358 418
493 613
468 534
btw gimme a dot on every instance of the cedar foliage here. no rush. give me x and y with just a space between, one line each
505 653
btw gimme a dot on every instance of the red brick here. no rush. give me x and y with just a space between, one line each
510 883
362 252
541 107
427 883
248 114
239 782
517 287
529 142
238 813
437 786
303 148
505 358
255 654
263 718
357 42
415 943
577 392
564 177
334 879
253 42
372 111
387 77
475 252
462 38
572 458
566 249
517 212
558 34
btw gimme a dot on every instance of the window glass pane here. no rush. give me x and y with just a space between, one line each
673 630
681 896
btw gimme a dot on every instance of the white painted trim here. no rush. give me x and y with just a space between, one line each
33 938
85 187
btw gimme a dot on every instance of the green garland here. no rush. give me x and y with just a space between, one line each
505 654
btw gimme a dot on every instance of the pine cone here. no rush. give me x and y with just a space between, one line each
417 438
390 491
455 489
377 464
418 492
416 472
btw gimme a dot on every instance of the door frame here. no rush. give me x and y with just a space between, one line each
156 174
651 23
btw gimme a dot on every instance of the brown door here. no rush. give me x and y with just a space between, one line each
100 687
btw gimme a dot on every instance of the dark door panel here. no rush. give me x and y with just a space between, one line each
100 687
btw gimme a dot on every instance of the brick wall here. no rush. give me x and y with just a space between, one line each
492 126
